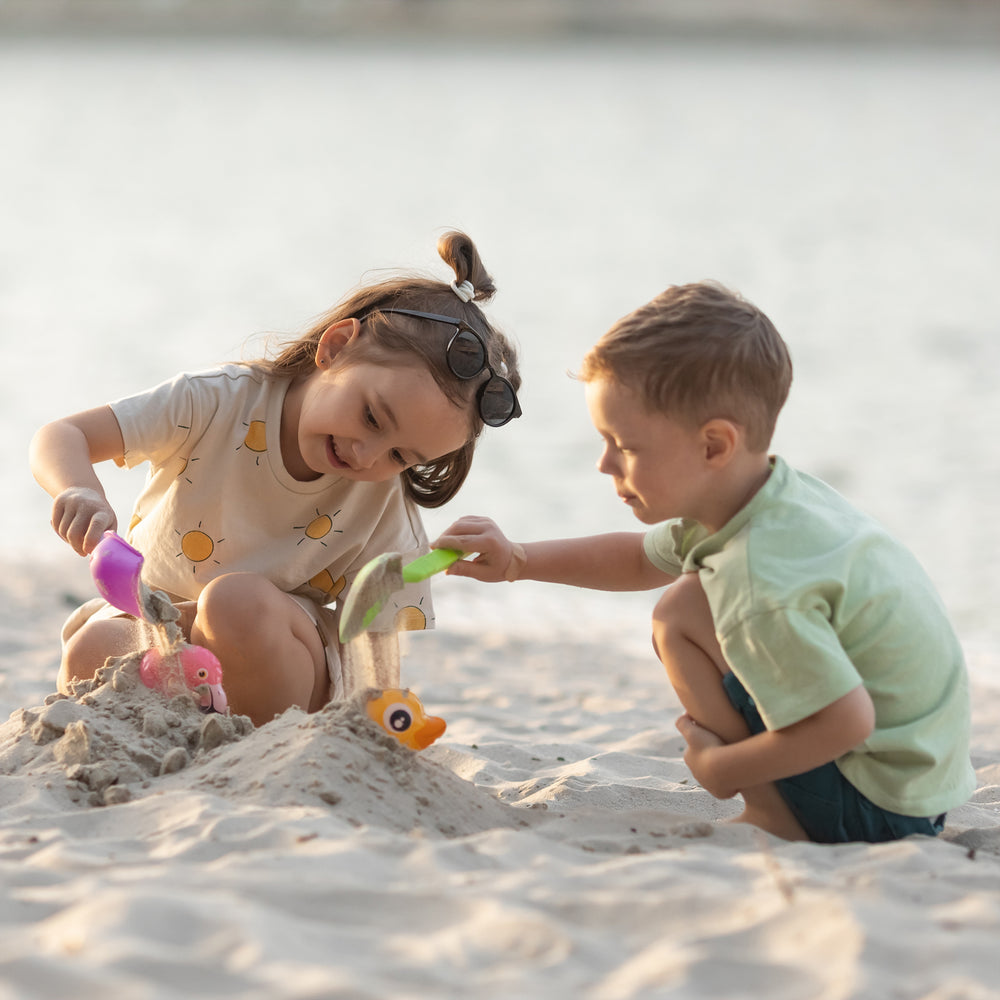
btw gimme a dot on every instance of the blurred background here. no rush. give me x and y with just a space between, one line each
178 178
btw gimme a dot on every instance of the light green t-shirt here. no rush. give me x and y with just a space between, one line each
810 598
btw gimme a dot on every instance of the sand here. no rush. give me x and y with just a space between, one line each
551 843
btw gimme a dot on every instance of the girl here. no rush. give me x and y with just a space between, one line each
272 482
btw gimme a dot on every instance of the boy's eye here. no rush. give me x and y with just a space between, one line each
370 418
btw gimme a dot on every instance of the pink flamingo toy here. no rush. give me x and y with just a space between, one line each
199 672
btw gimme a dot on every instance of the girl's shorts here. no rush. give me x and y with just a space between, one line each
828 807
323 618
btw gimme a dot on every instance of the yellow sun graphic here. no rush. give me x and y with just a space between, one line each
188 462
256 437
410 619
325 583
318 528
198 546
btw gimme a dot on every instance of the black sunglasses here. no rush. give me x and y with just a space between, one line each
466 356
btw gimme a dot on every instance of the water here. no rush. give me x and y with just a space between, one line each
162 201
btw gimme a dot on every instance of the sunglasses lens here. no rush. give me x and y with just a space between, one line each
466 355
497 402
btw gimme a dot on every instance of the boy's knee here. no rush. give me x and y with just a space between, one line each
682 612
682 601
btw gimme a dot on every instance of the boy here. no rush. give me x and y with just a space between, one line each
819 676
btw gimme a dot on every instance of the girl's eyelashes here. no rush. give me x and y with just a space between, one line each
396 455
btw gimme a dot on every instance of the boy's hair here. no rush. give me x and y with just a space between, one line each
698 352
403 340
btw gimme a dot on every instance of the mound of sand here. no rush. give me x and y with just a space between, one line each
115 740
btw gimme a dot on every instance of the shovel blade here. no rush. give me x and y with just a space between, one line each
374 584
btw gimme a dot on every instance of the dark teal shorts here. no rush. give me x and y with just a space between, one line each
828 807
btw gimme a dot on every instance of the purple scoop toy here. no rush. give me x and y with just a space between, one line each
116 568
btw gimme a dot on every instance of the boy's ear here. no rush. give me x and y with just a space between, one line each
720 439
334 339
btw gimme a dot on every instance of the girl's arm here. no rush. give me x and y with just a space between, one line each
63 454
725 769
599 562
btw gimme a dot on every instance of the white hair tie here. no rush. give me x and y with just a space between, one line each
466 291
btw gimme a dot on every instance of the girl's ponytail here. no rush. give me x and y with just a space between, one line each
461 255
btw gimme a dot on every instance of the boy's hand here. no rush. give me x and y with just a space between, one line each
498 558
701 744
80 516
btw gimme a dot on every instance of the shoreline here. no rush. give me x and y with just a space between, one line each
933 22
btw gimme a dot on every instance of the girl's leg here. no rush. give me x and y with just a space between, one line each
684 640
86 649
271 654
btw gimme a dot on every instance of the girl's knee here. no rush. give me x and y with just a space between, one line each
235 599
89 648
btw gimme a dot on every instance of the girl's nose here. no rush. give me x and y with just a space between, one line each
365 454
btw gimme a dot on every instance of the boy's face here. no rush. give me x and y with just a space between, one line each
658 465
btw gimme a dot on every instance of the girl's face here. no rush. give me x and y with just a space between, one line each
366 422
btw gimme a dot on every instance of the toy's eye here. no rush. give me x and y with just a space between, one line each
397 718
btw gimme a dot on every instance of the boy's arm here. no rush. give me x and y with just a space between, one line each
600 562
63 454
725 769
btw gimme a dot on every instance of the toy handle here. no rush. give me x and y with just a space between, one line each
432 562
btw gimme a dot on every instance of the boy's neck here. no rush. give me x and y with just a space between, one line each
738 484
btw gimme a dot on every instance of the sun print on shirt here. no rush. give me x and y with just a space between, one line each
183 474
318 528
410 618
256 438
197 546
330 589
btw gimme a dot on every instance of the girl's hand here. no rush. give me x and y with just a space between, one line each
498 558
701 746
80 516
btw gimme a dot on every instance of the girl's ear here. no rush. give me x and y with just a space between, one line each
334 339
720 439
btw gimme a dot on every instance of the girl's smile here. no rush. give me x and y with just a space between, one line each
368 422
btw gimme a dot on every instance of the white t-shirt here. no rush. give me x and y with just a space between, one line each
219 500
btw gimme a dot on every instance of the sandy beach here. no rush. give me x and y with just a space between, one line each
185 192
551 843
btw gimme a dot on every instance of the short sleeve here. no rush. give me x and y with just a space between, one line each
668 545
156 424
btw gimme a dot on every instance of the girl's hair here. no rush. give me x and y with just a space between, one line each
404 340
697 352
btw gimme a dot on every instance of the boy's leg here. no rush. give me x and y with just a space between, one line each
271 654
685 642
